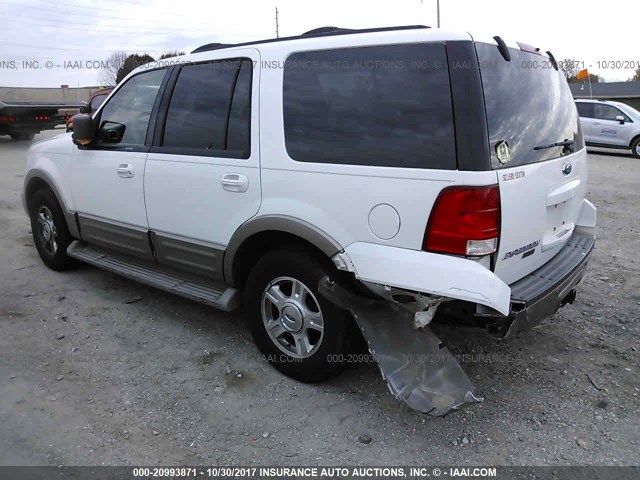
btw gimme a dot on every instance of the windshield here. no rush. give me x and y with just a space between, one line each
528 105
629 110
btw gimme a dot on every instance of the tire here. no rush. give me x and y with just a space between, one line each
49 229
22 137
306 316
635 147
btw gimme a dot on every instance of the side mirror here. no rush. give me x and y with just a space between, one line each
83 131
85 109
620 118
111 132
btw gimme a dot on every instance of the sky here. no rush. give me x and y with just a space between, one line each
48 43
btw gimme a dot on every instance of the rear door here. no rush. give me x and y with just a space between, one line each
542 187
202 177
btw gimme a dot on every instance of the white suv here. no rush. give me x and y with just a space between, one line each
610 124
371 174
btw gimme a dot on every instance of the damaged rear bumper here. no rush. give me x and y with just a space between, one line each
544 291
418 369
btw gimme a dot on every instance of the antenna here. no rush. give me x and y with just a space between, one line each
277 26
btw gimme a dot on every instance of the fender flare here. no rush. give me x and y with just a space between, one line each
279 223
37 174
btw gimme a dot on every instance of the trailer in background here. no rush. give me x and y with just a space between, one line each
22 120
25 111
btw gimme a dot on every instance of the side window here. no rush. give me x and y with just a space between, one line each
585 110
607 112
126 115
210 109
97 101
238 137
381 106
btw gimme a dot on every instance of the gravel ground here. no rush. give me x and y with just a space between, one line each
95 369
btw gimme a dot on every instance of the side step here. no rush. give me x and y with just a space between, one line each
217 295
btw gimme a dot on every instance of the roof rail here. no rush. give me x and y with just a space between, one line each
316 32
325 30
211 46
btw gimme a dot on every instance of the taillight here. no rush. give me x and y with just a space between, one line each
464 221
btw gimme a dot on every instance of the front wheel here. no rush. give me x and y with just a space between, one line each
635 148
300 333
49 230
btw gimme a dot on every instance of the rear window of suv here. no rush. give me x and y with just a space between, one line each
381 106
528 105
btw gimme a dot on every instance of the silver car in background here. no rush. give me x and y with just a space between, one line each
610 125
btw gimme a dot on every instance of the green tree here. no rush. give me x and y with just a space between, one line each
592 77
132 62
571 68
174 53
636 76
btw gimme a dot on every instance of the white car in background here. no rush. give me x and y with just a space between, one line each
610 125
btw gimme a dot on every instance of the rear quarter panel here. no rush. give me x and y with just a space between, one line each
338 199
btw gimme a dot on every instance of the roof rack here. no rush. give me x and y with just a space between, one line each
325 30
211 46
316 32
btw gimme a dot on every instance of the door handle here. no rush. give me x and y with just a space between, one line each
234 182
125 170
596 123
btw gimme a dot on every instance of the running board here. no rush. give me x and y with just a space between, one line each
216 295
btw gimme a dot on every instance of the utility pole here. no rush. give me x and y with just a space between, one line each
277 26
438 10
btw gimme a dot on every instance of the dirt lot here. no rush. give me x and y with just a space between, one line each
95 369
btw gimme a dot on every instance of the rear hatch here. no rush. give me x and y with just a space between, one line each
530 110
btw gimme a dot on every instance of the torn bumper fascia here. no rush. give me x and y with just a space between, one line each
417 368
425 272
423 307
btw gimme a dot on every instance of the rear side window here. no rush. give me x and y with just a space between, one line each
528 105
238 132
585 110
210 109
380 106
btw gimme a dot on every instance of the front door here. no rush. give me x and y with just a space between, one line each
107 176
606 127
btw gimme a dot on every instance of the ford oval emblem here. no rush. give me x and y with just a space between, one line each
566 168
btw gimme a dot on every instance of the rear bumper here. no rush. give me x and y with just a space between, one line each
541 293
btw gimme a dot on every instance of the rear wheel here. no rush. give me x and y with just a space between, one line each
300 333
49 230
22 137
635 148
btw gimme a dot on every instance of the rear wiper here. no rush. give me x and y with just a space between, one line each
565 143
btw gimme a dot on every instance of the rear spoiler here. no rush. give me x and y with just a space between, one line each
525 47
